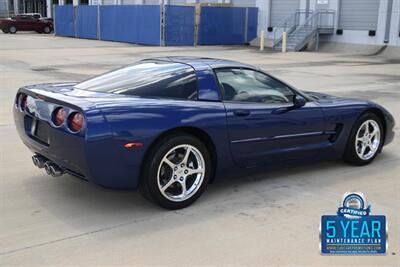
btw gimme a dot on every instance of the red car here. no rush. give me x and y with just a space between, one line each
26 22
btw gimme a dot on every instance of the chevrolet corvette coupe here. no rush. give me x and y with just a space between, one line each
168 126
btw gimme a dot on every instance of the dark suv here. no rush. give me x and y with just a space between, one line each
26 22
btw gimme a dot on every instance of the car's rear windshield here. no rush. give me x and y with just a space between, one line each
147 79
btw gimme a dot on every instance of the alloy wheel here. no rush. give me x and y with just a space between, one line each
181 173
368 139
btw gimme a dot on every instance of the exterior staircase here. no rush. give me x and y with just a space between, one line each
304 27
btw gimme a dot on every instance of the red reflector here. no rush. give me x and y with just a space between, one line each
133 145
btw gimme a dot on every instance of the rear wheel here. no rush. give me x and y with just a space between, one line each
365 141
177 172
12 29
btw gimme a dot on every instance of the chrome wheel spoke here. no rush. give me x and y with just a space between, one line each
168 184
184 190
363 147
169 163
195 171
187 154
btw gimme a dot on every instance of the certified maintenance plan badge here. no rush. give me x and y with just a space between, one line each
353 230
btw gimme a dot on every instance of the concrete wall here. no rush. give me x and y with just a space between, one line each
348 36
361 36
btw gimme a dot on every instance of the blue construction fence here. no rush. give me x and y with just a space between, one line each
150 25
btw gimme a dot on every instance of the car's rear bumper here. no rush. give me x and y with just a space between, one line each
65 150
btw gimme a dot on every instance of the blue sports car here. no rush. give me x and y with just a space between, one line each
169 125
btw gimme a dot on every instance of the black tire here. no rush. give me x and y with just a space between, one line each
149 186
12 29
46 30
351 156
5 30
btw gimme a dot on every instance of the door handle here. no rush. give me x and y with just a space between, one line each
241 112
281 110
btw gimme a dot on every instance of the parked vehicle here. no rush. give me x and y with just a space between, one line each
26 22
170 125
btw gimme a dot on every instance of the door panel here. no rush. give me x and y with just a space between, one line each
266 122
261 133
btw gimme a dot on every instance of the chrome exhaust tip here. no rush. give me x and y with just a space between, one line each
34 160
47 167
53 169
39 161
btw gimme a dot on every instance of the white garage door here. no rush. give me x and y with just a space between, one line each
281 9
358 14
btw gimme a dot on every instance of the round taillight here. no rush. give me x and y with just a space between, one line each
76 122
59 116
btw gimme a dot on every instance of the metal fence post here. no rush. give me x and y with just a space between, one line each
98 22
246 25
162 24
197 20
74 18
55 19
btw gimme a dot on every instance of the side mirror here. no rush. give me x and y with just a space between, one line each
299 101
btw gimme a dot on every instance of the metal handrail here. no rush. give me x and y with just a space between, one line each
312 21
315 20
289 24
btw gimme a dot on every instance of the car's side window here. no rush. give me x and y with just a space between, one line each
25 17
147 79
247 85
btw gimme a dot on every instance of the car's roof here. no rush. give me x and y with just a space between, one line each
194 61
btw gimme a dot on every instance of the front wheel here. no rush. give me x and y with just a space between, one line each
366 140
177 172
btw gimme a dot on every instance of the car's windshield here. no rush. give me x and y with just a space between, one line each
147 78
